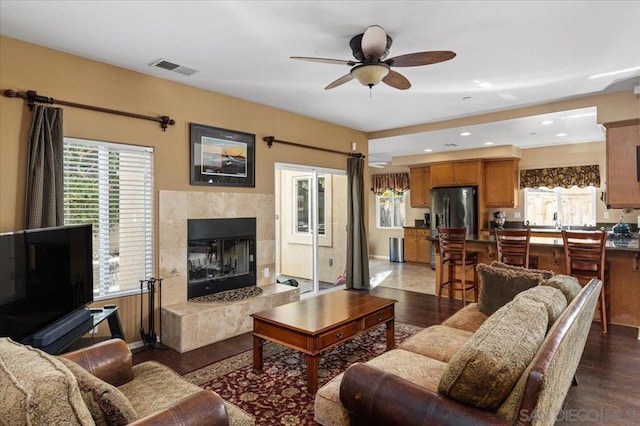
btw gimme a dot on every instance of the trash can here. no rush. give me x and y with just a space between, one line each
396 249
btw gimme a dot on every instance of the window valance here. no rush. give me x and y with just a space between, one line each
565 177
396 182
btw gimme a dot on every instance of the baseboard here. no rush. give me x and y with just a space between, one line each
136 345
376 256
139 344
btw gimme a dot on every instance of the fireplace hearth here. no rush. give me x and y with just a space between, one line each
221 255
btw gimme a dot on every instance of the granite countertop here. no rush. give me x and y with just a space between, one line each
600 226
629 244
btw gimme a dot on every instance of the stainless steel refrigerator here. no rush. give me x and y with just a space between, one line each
453 207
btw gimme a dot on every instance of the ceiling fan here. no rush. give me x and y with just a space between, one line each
370 49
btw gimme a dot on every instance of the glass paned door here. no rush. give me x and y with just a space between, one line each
311 227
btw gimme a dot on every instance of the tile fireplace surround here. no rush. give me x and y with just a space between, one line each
188 325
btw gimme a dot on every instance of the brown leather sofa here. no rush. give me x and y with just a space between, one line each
99 385
449 373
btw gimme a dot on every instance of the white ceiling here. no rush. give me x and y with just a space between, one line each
528 52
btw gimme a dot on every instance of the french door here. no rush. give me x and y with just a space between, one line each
311 227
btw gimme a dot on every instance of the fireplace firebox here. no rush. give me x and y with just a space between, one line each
221 255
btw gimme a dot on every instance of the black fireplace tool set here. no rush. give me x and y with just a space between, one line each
150 339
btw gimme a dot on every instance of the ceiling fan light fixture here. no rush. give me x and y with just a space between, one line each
370 74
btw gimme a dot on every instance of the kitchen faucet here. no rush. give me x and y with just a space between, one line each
556 220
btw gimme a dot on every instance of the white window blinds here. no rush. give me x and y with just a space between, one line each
111 187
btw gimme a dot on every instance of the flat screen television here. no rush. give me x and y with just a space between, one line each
46 275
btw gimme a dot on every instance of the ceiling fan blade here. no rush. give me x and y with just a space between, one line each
325 61
342 80
421 58
374 42
397 80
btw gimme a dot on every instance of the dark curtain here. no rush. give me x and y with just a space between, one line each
565 177
357 247
396 182
43 203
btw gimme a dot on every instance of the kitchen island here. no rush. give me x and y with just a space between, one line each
623 256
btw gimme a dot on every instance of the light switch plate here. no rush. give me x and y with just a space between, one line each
516 215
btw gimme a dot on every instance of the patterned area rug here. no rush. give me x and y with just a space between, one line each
277 395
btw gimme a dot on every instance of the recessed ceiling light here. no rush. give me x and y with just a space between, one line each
607 74
428 150
561 135
488 143
483 84
546 122
465 133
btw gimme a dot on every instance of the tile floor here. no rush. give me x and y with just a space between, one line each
403 276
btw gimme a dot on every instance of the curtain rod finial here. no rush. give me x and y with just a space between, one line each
10 93
269 140
166 121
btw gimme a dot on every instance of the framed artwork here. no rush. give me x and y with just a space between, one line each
221 157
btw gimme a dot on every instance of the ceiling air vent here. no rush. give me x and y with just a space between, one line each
170 66
450 144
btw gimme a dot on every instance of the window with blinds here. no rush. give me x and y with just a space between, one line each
110 186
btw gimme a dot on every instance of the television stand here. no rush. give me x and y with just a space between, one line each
72 339
111 315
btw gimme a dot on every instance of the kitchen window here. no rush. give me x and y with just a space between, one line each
110 186
560 207
390 210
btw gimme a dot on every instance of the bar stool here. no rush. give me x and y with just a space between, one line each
584 254
513 248
453 253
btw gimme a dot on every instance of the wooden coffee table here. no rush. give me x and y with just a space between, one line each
314 325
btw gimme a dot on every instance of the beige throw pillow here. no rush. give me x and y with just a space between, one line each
484 371
37 389
569 286
550 297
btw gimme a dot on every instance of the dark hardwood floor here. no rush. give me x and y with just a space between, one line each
608 392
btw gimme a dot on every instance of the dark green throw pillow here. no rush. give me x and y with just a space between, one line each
498 286
546 274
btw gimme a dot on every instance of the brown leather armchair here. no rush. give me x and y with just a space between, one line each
111 361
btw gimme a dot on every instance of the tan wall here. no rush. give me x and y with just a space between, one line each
25 66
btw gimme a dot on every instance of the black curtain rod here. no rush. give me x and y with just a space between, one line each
270 140
32 97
